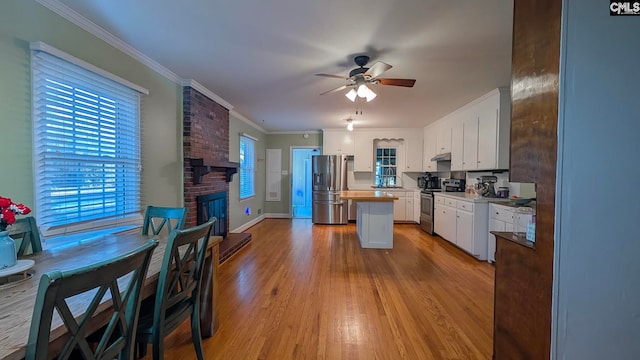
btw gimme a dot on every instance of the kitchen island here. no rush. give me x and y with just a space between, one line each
374 221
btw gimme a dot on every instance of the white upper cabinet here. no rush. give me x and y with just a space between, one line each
413 155
443 133
337 142
430 149
457 148
479 133
363 156
470 142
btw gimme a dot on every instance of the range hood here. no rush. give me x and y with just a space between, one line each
442 157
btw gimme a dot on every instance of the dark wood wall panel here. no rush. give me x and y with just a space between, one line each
524 276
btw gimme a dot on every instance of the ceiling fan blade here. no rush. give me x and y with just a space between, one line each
332 76
397 82
377 69
335 90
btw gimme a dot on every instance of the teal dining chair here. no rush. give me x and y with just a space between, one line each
156 218
94 281
26 231
178 292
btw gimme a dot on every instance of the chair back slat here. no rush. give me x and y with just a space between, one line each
26 231
157 218
57 287
180 280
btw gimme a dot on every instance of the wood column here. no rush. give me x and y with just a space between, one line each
524 276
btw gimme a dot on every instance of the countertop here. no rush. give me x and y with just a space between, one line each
368 195
473 198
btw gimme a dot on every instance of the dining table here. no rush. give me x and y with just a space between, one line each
17 299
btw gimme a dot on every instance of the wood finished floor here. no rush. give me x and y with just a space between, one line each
303 291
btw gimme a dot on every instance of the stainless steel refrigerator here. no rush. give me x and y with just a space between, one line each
329 178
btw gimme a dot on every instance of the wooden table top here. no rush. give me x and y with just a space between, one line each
367 195
17 302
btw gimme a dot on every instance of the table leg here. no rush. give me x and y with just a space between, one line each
209 295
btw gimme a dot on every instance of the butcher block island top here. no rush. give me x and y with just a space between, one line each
367 195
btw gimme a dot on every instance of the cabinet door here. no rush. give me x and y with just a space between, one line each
337 142
430 149
413 155
457 146
399 208
408 211
449 224
443 140
487 134
416 207
363 153
470 142
464 231
439 221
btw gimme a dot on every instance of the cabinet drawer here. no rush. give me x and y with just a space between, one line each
450 202
465 205
502 214
439 200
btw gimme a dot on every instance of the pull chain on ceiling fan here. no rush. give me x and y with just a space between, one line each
360 77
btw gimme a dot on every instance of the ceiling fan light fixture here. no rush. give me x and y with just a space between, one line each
371 95
349 124
363 90
351 95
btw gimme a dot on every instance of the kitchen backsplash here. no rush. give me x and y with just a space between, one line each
364 180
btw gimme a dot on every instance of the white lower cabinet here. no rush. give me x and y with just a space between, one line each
463 223
501 218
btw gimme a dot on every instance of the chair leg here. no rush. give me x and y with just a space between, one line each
196 334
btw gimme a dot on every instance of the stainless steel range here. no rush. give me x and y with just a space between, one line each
426 209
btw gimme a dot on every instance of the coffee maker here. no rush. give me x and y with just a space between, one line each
428 181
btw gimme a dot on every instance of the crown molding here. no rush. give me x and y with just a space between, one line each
89 26
239 116
208 93
297 132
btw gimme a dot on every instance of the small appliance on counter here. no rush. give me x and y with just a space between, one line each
485 186
454 185
502 188
428 182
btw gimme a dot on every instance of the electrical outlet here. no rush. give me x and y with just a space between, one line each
259 211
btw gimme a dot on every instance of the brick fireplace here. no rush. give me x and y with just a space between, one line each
206 165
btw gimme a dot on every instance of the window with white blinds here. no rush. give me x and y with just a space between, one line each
86 147
247 167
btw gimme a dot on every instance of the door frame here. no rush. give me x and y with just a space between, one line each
291 148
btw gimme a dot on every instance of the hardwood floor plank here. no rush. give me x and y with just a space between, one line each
303 291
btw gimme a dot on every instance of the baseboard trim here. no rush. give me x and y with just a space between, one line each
278 215
249 224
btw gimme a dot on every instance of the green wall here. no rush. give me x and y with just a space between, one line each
285 142
237 216
25 21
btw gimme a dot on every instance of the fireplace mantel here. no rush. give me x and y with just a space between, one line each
200 168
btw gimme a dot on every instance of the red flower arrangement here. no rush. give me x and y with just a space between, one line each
8 212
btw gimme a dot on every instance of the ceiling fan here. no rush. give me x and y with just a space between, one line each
362 76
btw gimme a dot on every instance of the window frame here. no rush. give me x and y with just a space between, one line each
49 63
247 169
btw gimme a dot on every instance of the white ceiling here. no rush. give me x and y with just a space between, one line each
261 56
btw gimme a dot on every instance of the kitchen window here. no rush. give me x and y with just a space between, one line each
386 166
86 145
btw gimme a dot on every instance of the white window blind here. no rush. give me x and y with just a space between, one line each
247 167
86 147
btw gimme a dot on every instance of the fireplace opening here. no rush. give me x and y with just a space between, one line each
215 204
